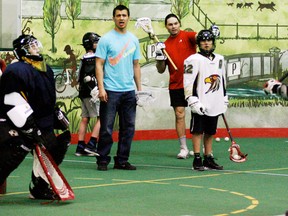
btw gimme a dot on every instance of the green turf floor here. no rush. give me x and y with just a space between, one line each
163 185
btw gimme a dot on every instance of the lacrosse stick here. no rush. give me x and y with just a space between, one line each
235 154
145 24
144 98
45 166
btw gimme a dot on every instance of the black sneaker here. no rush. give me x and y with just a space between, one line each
124 166
209 163
197 164
42 193
81 152
102 166
91 149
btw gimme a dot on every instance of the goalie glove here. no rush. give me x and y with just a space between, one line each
143 98
196 106
21 116
160 56
236 155
215 30
272 86
94 94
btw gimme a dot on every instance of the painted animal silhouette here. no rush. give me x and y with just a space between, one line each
270 6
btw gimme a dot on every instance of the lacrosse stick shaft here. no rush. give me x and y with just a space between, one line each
227 128
165 52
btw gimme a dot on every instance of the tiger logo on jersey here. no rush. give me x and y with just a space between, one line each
214 81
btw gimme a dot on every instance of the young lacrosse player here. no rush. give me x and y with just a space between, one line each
118 75
205 92
28 115
179 45
90 108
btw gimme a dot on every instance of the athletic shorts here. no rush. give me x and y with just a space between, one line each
177 98
90 109
203 124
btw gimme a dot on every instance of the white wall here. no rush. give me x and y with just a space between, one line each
10 22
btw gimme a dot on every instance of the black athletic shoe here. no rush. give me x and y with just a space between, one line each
124 166
42 193
90 148
102 166
81 152
197 164
209 163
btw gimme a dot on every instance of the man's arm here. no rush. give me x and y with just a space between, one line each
99 76
137 74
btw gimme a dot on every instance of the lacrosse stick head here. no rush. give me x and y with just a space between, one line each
145 24
236 155
144 98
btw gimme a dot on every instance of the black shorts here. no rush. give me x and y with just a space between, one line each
177 98
203 124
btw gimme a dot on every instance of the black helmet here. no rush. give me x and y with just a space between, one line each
22 44
89 39
205 35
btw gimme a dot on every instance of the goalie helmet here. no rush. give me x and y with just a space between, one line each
27 46
89 39
204 35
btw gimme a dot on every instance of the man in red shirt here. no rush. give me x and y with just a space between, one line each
179 45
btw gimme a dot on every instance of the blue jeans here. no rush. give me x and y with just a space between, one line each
123 103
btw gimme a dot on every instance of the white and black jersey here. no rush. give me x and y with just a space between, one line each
205 78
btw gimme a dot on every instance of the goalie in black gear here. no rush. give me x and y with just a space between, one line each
27 109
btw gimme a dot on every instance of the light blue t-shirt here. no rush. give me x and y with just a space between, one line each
119 51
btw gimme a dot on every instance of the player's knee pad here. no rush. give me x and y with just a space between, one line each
11 156
283 91
63 142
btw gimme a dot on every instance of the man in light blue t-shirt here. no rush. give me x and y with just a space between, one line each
117 72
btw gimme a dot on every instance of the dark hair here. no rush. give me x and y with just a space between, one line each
169 16
121 7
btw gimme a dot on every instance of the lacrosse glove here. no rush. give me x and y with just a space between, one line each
215 30
94 94
272 86
160 56
196 106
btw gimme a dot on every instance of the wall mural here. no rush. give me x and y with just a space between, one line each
253 40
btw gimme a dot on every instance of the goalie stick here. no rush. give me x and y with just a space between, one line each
235 154
145 24
45 166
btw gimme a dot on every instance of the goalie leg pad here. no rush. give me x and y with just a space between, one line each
11 156
58 146
40 189
63 143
